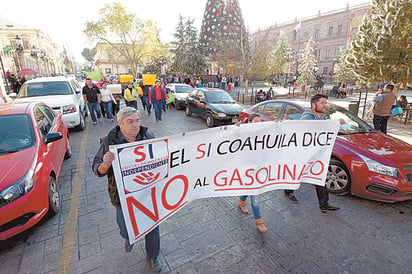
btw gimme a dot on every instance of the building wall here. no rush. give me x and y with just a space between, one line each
330 31
44 57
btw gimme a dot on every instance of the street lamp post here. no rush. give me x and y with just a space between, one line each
34 54
19 50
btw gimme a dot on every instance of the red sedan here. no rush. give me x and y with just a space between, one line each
33 144
364 162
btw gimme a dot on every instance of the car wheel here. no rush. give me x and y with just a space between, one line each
210 121
82 124
54 197
338 179
188 111
68 153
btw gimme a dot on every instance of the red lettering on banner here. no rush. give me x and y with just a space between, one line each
201 151
249 176
224 178
141 155
186 187
322 168
236 177
132 202
257 175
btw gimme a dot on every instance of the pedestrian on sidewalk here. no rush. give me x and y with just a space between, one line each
128 130
91 96
107 101
253 198
157 97
318 107
130 96
384 101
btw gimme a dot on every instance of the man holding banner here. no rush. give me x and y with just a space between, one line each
318 107
128 130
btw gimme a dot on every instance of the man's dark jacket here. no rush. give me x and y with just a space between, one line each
115 137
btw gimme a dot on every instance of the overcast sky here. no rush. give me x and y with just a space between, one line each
64 21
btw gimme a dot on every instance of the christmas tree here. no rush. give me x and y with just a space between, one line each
223 34
307 66
382 48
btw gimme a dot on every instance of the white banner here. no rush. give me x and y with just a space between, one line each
158 177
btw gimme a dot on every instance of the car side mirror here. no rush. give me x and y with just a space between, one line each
77 90
13 95
53 136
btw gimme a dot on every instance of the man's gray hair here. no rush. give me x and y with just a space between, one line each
126 112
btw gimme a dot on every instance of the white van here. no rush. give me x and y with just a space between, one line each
62 94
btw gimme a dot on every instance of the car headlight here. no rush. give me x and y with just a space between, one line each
378 167
221 115
69 109
18 188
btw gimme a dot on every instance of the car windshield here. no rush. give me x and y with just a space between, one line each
45 88
183 89
349 123
16 133
219 97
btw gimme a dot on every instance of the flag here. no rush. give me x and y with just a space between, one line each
298 26
94 75
7 48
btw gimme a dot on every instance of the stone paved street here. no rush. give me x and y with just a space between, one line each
211 235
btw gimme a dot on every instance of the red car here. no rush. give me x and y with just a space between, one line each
364 162
33 144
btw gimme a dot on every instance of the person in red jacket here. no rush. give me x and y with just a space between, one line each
157 97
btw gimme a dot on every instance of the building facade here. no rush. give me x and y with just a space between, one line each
25 48
330 31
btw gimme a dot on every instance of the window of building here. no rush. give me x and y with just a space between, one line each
330 33
340 29
108 70
317 33
337 52
325 70
354 30
327 54
305 35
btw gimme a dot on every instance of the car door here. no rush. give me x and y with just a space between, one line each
78 91
201 104
270 110
47 122
192 101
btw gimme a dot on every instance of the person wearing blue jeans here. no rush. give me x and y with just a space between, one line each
253 198
91 96
152 239
157 97
128 130
94 107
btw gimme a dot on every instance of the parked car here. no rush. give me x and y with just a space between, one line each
62 94
215 105
180 91
364 162
33 144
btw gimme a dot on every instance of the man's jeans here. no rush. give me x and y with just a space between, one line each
158 106
108 108
152 238
255 205
94 107
148 105
132 104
